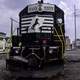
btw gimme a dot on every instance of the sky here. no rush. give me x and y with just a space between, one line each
11 8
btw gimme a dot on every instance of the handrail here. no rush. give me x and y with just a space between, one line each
59 39
62 32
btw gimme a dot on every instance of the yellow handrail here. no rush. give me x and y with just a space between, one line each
62 32
60 40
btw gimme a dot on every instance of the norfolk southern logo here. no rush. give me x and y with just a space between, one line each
36 22
40 8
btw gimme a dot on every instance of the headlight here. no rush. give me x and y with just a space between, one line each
16 51
50 51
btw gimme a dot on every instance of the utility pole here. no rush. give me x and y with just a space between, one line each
12 31
12 21
41 1
11 26
75 23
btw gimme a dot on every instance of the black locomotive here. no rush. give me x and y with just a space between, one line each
40 39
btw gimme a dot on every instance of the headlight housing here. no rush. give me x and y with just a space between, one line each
53 49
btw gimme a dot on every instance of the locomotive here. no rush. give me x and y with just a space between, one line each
40 38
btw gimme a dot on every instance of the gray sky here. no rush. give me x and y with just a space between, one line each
11 8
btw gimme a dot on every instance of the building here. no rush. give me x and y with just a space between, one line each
8 42
68 43
2 41
77 44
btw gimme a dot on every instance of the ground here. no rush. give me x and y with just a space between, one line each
72 65
57 71
70 71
